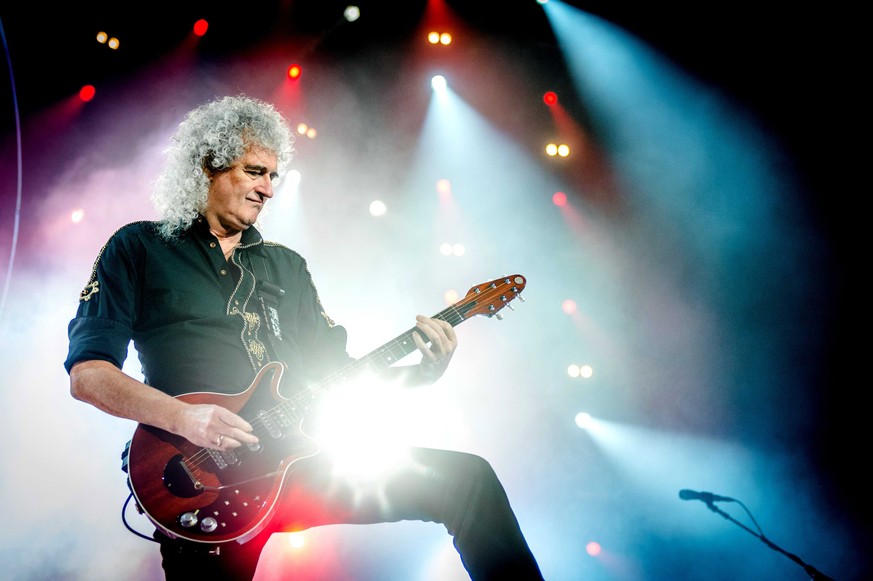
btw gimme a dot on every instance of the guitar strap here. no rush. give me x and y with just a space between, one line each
268 297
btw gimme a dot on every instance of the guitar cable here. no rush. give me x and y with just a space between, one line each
127 524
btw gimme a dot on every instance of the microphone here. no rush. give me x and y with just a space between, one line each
706 497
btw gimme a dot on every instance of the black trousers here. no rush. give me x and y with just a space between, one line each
457 489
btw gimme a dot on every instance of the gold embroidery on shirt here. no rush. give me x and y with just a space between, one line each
253 323
89 291
256 348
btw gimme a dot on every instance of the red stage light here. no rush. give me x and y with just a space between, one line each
559 199
87 93
294 72
550 98
200 27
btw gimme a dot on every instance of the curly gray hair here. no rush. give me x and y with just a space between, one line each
214 135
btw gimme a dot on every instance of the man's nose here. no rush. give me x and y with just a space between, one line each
265 187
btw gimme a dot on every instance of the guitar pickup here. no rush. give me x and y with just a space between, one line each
270 425
224 458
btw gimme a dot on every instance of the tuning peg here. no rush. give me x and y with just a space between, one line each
510 307
519 297
499 316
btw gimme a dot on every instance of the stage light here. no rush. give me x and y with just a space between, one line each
443 38
200 27
591 548
311 133
87 93
559 199
294 72
438 83
553 149
77 216
583 420
444 187
451 297
550 98
103 38
352 13
449 249
583 371
378 208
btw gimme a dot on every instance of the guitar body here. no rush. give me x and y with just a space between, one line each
214 496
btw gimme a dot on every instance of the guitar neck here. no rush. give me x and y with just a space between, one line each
486 299
391 352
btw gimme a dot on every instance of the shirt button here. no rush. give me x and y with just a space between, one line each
222 272
212 244
236 302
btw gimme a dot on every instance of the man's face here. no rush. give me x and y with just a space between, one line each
238 194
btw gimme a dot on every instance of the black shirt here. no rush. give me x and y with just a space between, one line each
195 318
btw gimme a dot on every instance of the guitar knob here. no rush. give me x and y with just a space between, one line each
188 520
208 524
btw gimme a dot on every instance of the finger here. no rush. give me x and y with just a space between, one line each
233 421
437 340
240 437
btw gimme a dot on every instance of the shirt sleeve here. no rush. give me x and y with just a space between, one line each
102 326
316 344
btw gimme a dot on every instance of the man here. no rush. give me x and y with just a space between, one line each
209 306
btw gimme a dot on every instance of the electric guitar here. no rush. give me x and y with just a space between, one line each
218 496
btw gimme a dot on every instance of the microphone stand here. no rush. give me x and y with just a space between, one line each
813 573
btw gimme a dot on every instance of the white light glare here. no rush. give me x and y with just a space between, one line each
583 420
378 208
448 249
584 371
438 83
352 13
356 429
296 539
